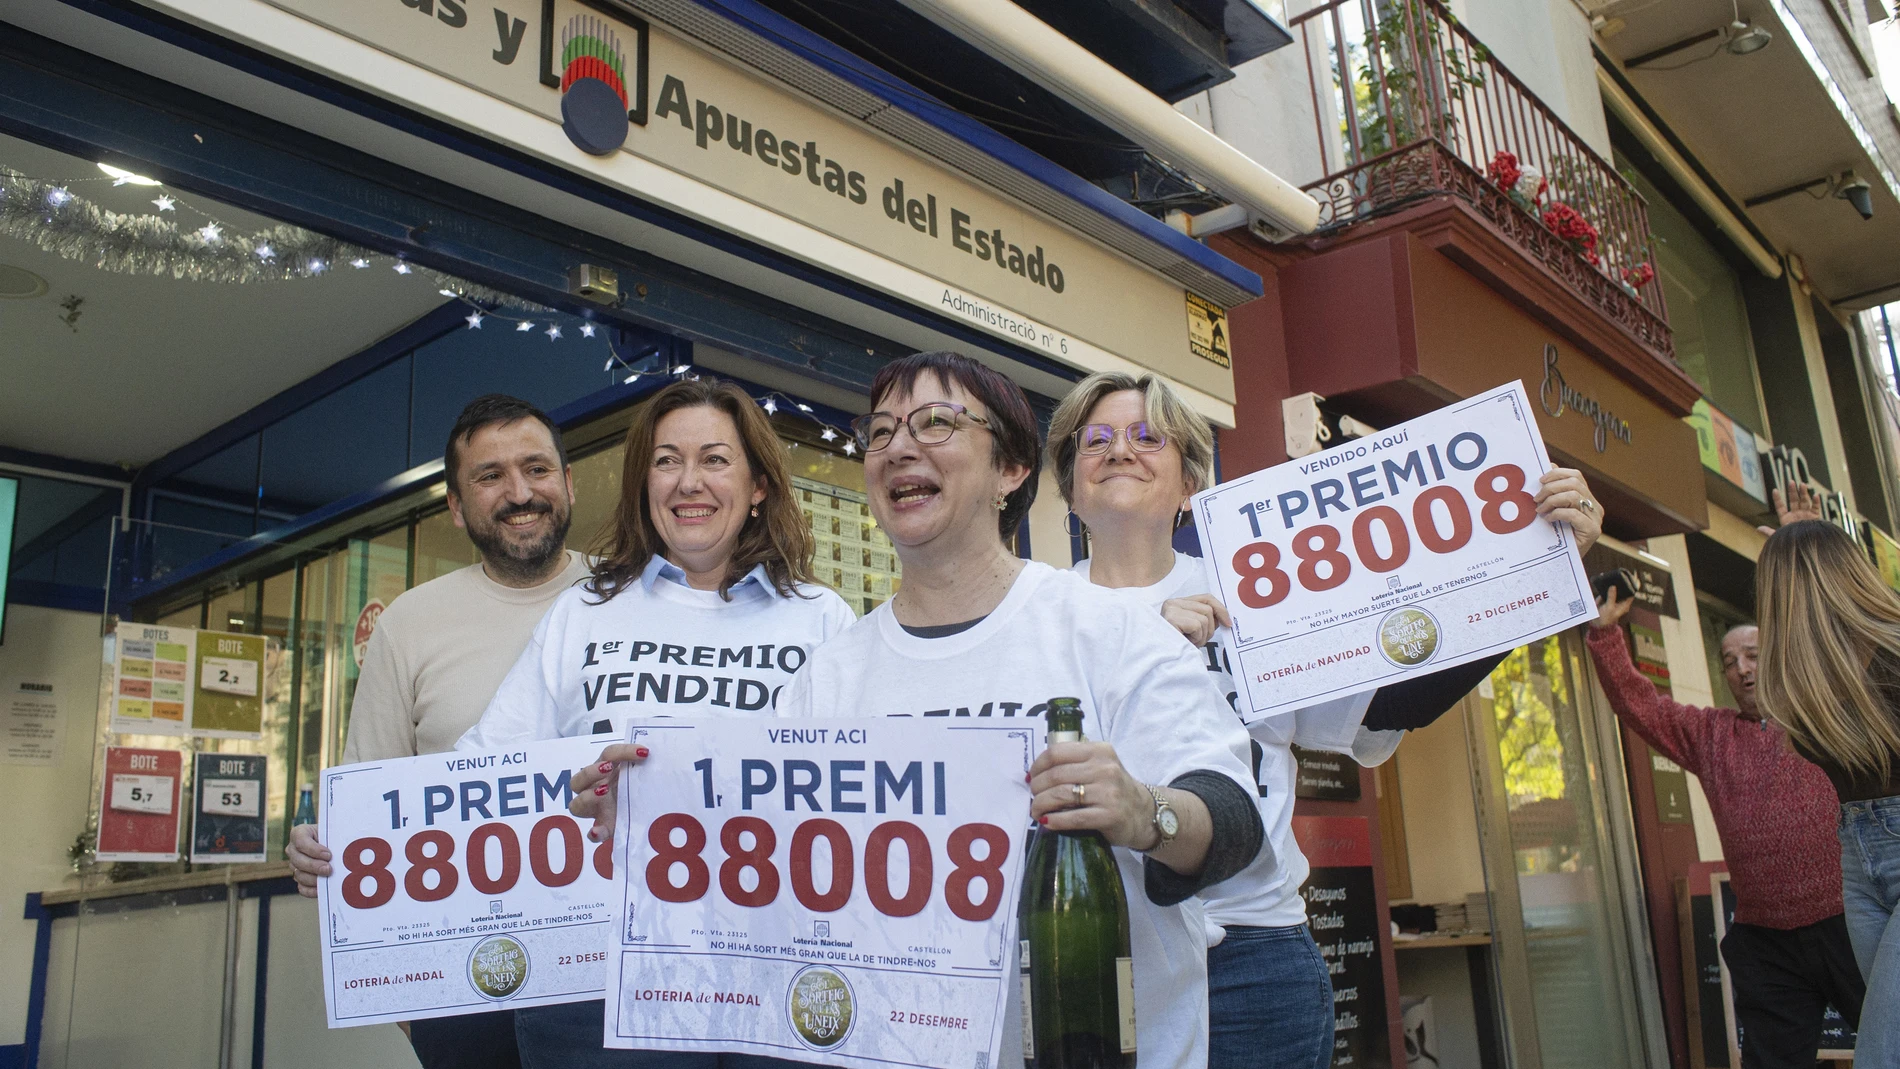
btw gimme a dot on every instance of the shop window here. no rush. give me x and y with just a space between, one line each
204 508
340 445
441 547
1706 310
62 531
465 364
596 495
1717 620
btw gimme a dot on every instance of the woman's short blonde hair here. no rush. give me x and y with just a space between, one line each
1167 412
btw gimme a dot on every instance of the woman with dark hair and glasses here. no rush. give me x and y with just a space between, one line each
708 555
1128 453
952 454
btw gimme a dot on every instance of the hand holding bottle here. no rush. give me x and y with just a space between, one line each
1082 786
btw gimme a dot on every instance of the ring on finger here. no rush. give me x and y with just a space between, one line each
1080 792
1587 505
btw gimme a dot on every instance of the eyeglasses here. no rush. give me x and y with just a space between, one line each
931 424
1094 439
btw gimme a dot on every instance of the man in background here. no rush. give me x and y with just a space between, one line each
440 651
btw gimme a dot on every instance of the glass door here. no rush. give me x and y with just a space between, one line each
1560 915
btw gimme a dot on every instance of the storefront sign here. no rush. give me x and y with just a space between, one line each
227 821
751 156
139 807
461 885
762 911
30 725
1558 396
1655 586
1342 910
1419 546
1728 449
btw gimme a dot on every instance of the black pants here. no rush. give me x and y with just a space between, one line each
471 1041
1784 981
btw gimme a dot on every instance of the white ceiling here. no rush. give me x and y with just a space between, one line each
153 362
1763 122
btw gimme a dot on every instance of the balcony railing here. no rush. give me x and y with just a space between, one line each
1409 105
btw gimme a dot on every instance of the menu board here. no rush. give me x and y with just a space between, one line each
1325 777
182 680
852 555
1342 911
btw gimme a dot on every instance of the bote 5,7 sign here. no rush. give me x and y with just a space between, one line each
1418 546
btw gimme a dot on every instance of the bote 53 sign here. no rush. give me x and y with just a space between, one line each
1419 545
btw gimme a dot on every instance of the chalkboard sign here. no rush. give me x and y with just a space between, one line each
1342 912
1326 777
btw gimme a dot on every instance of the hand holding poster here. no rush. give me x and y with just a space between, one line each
835 891
460 883
1417 547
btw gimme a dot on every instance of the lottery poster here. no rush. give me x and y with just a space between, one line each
461 885
1413 549
227 814
851 554
153 679
228 702
830 891
139 808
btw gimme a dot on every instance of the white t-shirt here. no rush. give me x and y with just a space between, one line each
1143 690
1266 894
659 648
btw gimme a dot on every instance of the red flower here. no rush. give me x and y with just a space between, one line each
1570 225
1504 171
1639 276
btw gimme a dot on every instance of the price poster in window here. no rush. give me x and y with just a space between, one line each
139 813
1414 549
832 891
461 885
153 679
227 821
229 701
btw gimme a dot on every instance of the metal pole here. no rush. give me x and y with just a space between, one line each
227 1022
1893 357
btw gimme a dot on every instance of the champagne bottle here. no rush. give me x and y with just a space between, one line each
1078 978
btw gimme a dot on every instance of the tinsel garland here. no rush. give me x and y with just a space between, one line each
55 219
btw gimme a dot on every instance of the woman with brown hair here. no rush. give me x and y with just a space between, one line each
701 603
1829 672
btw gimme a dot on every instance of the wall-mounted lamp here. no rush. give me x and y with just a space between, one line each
1845 186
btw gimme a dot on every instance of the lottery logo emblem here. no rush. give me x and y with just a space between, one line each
498 967
593 86
821 1006
1408 637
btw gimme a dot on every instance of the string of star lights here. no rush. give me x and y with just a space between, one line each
774 402
50 215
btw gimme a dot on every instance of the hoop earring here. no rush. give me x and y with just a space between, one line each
1182 519
1073 525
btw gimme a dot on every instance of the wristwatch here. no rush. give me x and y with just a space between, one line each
1167 825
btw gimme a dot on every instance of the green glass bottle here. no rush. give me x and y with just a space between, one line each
1078 978
306 806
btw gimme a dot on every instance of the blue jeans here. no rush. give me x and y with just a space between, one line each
569 1036
1870 885
1269 1001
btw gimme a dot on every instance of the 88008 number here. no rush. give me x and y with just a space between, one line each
554 859
1441 522
749 844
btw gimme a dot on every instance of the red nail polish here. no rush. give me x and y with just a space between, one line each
1044 821
602 789
1027 777
606 766
641 752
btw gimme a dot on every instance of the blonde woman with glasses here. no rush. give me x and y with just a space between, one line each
1830 673
1128 453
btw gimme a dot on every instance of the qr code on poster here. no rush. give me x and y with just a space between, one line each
1576 606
